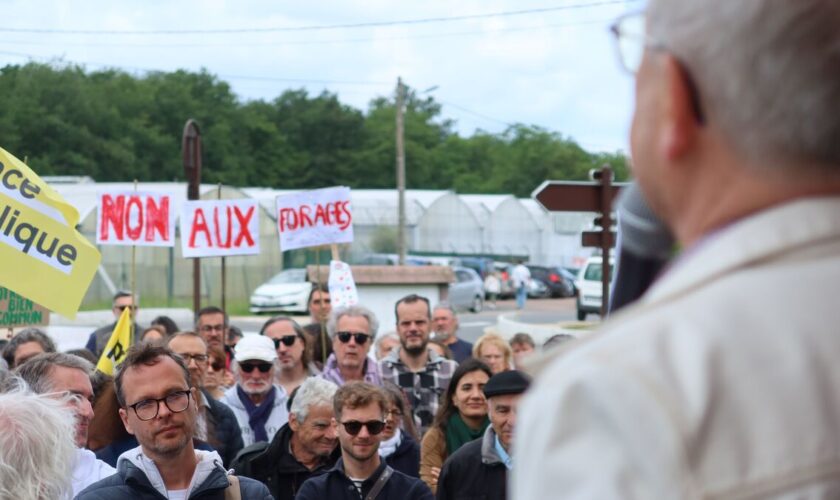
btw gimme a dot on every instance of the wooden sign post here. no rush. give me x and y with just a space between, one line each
597 196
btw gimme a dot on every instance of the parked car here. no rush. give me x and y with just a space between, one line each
552 277
589 285
467 292
286 291
505 269
537 289
391 259
571 276
481 265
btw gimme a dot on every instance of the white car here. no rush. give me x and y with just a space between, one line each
467 292
286 291
590 288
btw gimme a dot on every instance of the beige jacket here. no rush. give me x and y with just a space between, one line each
723 382
432 454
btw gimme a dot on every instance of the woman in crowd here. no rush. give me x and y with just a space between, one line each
493 350
217 380
461 418
399 445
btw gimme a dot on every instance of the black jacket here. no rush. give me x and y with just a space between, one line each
223 432
273 465
474 471
406 458
335 485
131 482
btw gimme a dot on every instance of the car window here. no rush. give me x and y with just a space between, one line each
463 276
593 272
289 276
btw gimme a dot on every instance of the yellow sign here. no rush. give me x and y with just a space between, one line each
16 311
117 346
43 257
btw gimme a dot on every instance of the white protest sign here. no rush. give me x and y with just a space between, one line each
314 218
343 291
135 218
220 228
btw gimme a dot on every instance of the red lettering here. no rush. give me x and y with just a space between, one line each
219 242
323 214
288 219
157 218
134 233
345 208
304 216
199 223
244 231
111 214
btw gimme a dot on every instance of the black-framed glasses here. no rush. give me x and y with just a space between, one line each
210 328
249 367
176 402
353 427
198 358
122 308
286 340
360 338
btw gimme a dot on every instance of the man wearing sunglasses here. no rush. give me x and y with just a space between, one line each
215 422
258 403
714 384
352 330
99 338
360 473
157 406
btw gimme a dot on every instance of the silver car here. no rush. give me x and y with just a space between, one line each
467 292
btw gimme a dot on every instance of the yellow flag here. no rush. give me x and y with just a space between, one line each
117 346
43 257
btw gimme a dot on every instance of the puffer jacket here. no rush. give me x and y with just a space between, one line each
226 436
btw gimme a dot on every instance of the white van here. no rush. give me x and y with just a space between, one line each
589 287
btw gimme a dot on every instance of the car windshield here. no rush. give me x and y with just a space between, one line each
289 276
593 272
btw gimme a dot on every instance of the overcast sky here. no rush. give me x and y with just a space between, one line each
493 62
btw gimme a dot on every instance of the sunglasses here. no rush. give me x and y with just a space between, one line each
344 337
122 308
287 340
249 367
353 427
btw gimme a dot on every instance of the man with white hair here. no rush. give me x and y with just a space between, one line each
352 330
305 447
258 403
67 377
715 384
36 461
445 323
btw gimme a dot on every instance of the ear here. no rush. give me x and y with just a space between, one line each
126 423
681 120
293 422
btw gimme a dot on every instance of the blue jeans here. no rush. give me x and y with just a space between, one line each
521 295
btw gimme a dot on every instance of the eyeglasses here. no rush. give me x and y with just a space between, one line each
147 409
217 365
198 358
394 413
210 328
287 340
361 338
249 367
122 308
353 427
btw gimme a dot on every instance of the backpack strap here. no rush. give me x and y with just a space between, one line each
380 483
232 492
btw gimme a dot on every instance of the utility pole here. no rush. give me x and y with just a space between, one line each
400 173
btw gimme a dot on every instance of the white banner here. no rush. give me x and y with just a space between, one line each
220 228
135 218
314 218
342 287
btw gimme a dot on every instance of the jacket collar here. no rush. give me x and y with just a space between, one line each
339 469
278 455
393 358
489 455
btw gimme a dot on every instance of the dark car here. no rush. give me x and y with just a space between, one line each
553 278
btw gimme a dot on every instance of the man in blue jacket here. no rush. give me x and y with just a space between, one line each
360 473
158 406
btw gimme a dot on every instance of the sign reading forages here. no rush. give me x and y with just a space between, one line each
314 218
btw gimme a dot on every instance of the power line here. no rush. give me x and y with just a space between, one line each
370 24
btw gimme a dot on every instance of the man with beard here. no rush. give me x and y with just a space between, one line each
360 472
215 423
419 371
157 405
303 448
259 404
445 322
352 330
68 377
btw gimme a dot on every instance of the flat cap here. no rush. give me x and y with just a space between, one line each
509 382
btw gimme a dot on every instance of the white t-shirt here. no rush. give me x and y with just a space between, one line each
177 494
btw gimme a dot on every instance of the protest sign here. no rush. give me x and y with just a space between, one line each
343 291
314 218
220 228
135 218
17 311
43 257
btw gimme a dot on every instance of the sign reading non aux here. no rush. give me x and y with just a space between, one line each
135 218
16 311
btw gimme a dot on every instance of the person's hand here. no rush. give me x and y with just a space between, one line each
435 472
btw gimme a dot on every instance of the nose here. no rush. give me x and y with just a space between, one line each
363 432
330 432
86 409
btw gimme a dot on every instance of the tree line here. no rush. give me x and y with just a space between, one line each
114 126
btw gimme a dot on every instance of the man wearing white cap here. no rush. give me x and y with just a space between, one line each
259 405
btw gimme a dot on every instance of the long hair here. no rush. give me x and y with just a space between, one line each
447 408
396 396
